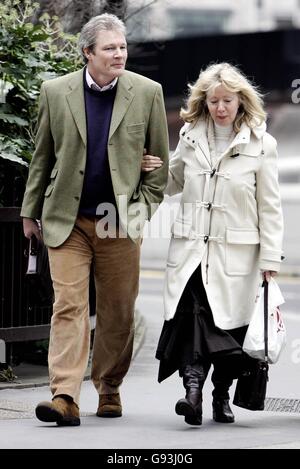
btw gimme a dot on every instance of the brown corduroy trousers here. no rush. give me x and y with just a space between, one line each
116 274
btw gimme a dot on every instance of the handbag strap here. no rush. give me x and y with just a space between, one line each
266 298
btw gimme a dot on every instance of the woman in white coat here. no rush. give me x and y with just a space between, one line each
227 235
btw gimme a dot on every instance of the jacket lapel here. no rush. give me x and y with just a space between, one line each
75 99
122 101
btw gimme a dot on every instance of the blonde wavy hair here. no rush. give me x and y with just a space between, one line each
251 108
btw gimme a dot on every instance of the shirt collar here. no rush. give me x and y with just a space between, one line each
92 84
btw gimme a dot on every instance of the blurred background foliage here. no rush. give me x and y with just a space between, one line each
31 50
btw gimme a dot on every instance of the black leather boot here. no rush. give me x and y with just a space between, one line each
221 408
191 405
222 411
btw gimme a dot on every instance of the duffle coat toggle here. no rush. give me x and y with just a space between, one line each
211 180
211 206
206 238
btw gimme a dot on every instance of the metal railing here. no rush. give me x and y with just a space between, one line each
25 310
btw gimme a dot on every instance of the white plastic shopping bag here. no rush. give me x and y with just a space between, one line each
254 339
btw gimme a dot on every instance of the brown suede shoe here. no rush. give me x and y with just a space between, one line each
62 411
109 405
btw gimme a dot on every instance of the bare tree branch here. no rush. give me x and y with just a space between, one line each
135 12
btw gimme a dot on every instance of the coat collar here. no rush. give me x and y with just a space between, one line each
244 135
195 135
249 140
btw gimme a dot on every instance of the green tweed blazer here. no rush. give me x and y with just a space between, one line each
57 168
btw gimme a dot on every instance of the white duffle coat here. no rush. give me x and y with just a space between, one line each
229 220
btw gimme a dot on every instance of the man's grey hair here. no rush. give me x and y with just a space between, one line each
89 32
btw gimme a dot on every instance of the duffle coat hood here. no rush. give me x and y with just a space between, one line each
229 220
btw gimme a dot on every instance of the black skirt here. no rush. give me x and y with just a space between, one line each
192 336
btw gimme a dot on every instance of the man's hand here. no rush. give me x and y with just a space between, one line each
30 228
150 162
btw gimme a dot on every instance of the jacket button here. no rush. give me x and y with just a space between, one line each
206 239
81 172
76 197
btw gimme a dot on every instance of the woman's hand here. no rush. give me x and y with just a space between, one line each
150 163
267 274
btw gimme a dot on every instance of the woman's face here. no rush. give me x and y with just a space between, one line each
222 105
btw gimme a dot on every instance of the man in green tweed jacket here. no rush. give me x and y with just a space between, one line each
86 187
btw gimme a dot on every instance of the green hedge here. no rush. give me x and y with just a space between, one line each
31 50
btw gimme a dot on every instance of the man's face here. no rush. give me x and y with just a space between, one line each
108 58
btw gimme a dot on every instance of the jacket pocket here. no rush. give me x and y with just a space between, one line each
53 173
180 229
135 127
241 251
51 185
49 190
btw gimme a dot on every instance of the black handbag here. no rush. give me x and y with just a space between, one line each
251 387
